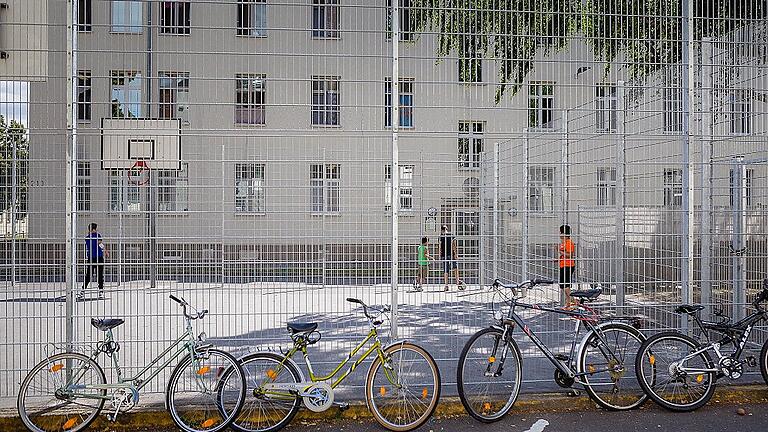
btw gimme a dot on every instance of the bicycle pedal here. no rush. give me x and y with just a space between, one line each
561 357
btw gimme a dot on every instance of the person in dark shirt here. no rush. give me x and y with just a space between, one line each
449 255
94 255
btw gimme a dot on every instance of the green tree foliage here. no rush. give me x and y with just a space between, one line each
13 135
646 34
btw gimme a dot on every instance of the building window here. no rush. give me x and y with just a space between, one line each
541 189
84 16
250 99
406 102
173 189
250 193
746 184
324 182
741 112
406 187
406 27
325 100
124 196
606 186
126 94
673 187
174 95
175 17
127 16
83 186
541 105
466 223
470 144
325 19
252 18
673 109
84 95
606 105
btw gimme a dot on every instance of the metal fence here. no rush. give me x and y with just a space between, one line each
242 154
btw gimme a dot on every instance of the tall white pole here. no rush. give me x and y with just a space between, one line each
71 171
395 171
687 274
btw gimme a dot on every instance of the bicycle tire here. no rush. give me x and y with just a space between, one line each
207 421
657 355
63 421
245 422
376 407
618 400
764 362
469 405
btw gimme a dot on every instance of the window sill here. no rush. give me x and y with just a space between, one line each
320 126
249 214
606 131
402 212
332 214
250 125
126 33
251 36
175 34
84 122
408 128
328 38
175 213
543 130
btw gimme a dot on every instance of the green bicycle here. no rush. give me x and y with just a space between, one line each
67 391
401 390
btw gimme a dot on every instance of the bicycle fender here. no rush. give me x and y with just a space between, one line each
625 326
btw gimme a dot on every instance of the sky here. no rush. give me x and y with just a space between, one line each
14 100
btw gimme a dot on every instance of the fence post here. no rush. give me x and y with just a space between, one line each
707 210
70 273
395 161
526 210
621 187
739 198
496 210
564 169
14 206
688 169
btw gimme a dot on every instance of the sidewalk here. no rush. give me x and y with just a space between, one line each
554 408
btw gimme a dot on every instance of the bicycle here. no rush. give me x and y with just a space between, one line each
692 371
489 372
401 389
67 391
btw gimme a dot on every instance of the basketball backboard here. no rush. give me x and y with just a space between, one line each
125 141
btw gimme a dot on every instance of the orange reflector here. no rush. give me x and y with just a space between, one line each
271 374
591 368
699 378
487 406
424 393
203 370
652 359
491 359
208 423
57 367
383 391
69 423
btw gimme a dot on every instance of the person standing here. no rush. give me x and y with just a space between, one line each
94 255
424 258
566 261
449 255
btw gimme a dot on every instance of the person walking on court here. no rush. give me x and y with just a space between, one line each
94 255
566 261
424 258
449 255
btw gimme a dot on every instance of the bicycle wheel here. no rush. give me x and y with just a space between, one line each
764 362
488 388
608 360
658 370
55 396
402 393
201 396
267 410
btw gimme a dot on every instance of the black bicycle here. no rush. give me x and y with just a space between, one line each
679 372
490 366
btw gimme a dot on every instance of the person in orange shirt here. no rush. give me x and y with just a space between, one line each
567 262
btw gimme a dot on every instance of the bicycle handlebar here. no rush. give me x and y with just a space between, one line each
183 303
385 309
532 283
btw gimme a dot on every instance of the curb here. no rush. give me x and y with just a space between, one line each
155 417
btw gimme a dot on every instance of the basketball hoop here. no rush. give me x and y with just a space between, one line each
138 174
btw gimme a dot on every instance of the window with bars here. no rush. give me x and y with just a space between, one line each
325 188
470 144
126 94
746 184
740 112
252 18
84 95
124 196
174 95
173 189
406 25
406 187
606 186
673 109
127 16
541 105
83 195
84 15
541 189
250 192
325 19
406 102
606 106
325 100
673 187
175 17
250 99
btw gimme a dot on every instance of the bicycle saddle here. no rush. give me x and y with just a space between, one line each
688 309
302 327
589 294
107 323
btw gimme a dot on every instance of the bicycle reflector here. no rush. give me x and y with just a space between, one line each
203 370
699 378
491 359
424 393
208 423
383 391
69 423
271 374
57 367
